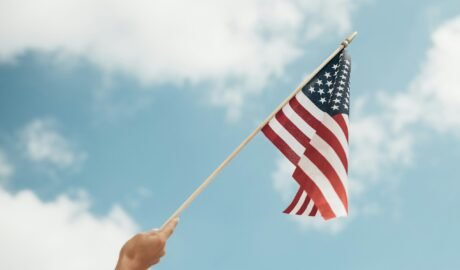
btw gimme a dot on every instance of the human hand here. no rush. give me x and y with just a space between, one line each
145 249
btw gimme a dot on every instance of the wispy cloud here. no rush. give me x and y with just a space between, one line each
136 199
59 234
433 98
386 127
43 143
6 169
230 48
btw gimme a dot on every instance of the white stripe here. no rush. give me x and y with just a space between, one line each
299 203
309 106
347 123
331 156
309 207
323 117
324 185
322 147
298 121
286 137
345 117
332 125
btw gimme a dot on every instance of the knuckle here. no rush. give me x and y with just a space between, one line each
161 240
138 236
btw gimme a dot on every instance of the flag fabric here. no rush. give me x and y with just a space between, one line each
311 131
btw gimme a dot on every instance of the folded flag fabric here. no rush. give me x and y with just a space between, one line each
311 131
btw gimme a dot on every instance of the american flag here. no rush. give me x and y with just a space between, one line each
311 130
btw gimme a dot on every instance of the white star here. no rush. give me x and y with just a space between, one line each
311 89
327 75
346 67
340 88
344 71
322 100
338 94
342 82
321 91
335 66
343 76
335 107
319 82
330 90
335 73
329 83
345 106
336 100
348 62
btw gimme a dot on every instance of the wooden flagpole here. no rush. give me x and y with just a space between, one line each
235 152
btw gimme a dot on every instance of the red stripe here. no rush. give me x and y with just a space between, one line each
280 144
304 114
304 206
293 129
329 172
341 122
313 211
294 202
321 130
314 192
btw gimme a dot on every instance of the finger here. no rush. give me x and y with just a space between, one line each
155 261
163 252
154 231
169 228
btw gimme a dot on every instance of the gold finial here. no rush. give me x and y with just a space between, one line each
349 39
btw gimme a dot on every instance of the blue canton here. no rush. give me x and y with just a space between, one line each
329 90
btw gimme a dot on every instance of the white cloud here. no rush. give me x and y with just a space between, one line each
59 234
282 179
44 144
136 199
232 47
377 141
318 224
6 169
433 98
387 137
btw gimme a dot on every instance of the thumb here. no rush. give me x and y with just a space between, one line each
168 229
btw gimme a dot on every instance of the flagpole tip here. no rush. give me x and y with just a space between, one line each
349 39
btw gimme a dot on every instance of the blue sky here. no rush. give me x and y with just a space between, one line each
112 114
